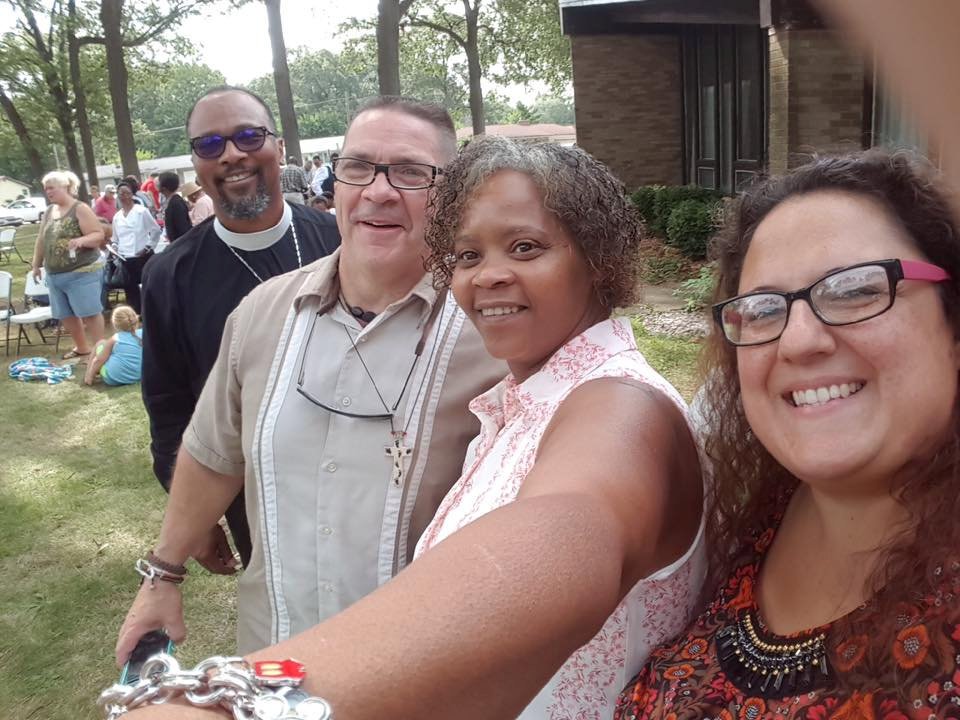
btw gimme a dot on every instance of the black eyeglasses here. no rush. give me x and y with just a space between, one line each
842 297
402 176
249 139
389 411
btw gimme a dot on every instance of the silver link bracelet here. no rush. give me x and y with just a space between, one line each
229 683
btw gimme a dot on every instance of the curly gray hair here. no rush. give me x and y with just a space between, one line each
580 191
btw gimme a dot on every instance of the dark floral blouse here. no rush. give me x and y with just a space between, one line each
728 666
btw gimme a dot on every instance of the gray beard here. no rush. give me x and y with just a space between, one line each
250 207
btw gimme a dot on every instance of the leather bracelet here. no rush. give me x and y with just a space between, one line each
148 571
164 565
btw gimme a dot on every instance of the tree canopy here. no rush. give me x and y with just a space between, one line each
518 42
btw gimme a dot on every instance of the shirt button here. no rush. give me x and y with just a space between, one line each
326 530
346 402
328 587
331 467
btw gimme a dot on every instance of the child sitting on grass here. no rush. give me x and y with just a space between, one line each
118 360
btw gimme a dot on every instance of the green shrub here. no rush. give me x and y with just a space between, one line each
657 202
697 291
644 198
690 226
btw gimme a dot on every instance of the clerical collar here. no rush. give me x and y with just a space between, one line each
259 240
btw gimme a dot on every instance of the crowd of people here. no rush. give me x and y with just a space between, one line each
82 262
455 486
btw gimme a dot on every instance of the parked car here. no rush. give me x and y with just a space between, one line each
25 210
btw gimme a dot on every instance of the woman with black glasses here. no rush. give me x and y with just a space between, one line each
835 575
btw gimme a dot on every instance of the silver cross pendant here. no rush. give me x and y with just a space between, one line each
398 451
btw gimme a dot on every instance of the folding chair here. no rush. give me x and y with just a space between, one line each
36 316
6 297
7 244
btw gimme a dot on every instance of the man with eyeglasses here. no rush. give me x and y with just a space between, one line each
339 401
191 288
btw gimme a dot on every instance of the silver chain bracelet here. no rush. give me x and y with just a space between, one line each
264 691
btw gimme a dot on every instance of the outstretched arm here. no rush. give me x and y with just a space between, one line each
478 624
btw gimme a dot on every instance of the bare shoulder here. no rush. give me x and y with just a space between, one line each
626 444
617 428
85 210
627 407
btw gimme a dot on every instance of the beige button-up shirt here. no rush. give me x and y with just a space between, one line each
329 522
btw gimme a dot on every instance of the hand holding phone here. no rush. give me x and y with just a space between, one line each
155 606
155 641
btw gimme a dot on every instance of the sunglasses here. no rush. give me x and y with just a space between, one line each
210 147
842 297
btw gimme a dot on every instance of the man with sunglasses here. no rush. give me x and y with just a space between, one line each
190 289
339 401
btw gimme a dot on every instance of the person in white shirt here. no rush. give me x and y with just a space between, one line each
320 173
135 234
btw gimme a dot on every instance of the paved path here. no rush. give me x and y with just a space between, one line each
663 313
661 297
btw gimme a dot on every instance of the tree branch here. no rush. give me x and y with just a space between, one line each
471 12
152 33
55 10
62 35
42 48
160 27
453 34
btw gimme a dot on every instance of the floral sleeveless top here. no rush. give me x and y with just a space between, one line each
728 666
513 417
57 232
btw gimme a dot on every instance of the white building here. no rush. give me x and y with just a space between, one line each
11 189
182 165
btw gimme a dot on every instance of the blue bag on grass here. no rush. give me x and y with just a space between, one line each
38 368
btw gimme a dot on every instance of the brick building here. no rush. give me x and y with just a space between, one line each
711 92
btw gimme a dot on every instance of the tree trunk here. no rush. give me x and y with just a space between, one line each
64 119
388 47
474 71
281 79
57 89
80 102
111 15
10 110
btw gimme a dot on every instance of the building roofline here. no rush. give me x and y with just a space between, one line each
579 3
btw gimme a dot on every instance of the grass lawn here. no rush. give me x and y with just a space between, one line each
674 358
78 504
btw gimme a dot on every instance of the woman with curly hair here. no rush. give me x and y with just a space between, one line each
539 245
572 543
833 417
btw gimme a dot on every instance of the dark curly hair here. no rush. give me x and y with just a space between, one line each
580 191
749 483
